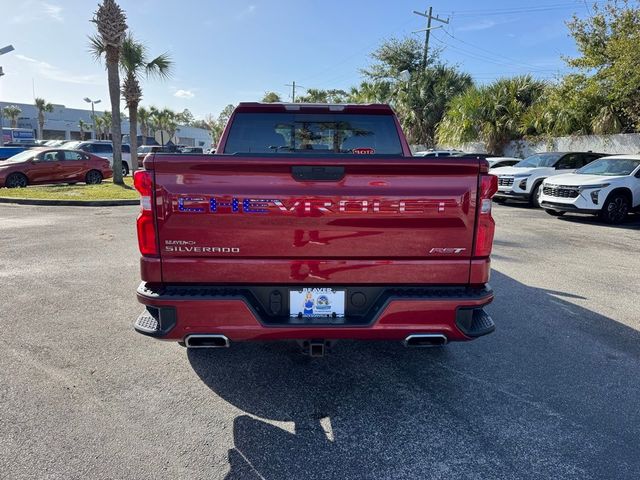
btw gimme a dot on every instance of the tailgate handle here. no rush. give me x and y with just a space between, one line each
317 173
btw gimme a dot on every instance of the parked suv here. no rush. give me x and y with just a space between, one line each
608 187
524 179
104 149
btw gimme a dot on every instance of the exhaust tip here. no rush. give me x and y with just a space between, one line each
206 341
425 340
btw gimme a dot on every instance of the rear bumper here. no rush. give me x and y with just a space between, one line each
239 313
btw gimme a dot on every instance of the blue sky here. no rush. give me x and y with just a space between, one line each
226 52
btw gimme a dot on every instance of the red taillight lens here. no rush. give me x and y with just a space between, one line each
147 239
486 226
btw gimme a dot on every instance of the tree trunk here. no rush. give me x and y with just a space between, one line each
40 126
116 131
133 136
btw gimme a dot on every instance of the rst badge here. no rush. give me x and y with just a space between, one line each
446 251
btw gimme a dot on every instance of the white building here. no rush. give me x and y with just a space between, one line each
62 124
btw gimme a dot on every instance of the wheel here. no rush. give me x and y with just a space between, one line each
615 209
534 197
93 177
500 200
125 169
16 180
555 213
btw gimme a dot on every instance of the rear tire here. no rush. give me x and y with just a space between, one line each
534 197
615 209
554 213
16 180
125 169
93 177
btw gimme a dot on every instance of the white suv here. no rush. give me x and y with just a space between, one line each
608 187
104 149
523 180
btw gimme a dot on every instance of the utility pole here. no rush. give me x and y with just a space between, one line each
293 90
429 16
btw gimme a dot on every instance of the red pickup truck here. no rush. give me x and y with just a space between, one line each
314 223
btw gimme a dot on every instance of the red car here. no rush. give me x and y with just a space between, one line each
38 166
314 223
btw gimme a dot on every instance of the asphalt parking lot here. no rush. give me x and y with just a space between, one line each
553 393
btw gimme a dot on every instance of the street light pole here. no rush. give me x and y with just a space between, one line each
93 112
3 50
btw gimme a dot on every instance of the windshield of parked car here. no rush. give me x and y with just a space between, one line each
144 149
72 145
20 157
540 160
327 133
610 167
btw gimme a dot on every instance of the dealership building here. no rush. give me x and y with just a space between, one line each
62 124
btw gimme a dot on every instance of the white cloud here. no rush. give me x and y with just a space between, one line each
184 94
52 11
46 70
481 25
249 10
31 11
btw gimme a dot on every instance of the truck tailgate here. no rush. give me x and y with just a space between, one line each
253 219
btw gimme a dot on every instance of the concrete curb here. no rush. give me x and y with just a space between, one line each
69 203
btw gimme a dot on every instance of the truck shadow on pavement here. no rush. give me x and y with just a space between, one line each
553 393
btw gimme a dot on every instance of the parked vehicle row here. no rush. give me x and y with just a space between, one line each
608 187
579 182
42 165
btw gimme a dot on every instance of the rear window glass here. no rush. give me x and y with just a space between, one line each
281 133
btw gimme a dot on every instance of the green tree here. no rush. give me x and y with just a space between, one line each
493 114
111 23
316 95
165 120
12 112
217 124
83 127
421 101
107 120
271 97
42 106
609 45
135 63
143 120
394 57
380 91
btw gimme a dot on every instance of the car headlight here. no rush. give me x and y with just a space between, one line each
596 185
522 175
594 196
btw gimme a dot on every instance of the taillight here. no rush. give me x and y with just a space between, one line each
486 226
147 240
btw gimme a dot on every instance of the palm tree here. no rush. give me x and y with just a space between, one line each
98 123
83 126
107 123
143 119
111 23
12 112
43 106
134 63
165 121
495 113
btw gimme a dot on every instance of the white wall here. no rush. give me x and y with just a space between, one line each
620 143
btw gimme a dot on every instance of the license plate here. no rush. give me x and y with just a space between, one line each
316 302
